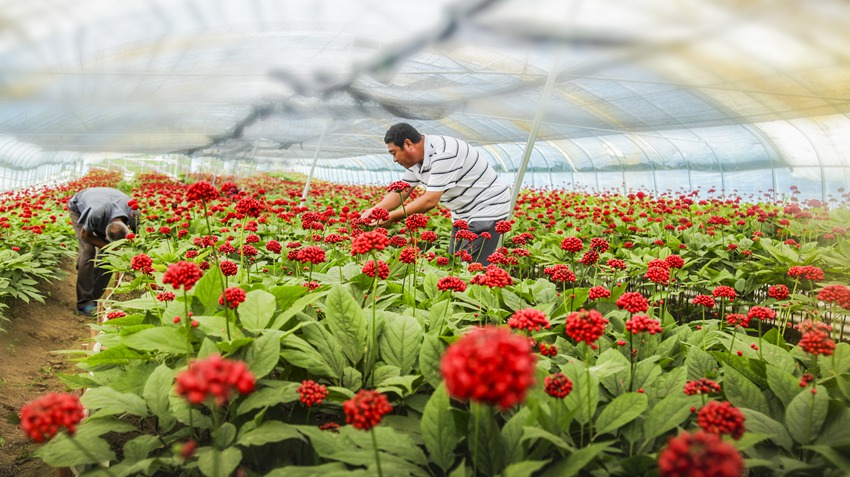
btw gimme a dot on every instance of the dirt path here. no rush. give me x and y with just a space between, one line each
28 368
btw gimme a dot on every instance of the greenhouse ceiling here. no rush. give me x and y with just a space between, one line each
610 84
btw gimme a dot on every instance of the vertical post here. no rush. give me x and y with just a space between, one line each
532 135
315 160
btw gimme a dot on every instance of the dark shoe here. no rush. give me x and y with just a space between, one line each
89 309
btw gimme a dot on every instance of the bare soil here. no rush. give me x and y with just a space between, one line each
29 365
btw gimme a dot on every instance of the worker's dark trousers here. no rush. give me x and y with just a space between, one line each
479 248
91 280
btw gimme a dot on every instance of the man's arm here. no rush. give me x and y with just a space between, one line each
391 201
93 239
420 205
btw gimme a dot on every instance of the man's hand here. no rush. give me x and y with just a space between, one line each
365 217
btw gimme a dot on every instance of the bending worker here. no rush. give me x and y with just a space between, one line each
99 215
454 174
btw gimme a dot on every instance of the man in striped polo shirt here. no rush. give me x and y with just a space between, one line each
454 174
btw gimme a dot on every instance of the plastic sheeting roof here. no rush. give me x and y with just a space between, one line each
715 85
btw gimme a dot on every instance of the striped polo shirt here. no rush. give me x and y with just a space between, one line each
471 188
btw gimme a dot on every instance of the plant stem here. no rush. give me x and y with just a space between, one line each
377 455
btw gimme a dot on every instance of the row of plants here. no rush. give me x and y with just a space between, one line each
611 335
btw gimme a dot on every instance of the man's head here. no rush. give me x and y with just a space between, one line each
116 230
404 143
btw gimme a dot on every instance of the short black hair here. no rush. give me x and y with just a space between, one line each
397 133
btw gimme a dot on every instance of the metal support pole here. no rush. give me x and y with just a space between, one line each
532 136
325 128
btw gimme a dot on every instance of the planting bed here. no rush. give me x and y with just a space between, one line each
613 335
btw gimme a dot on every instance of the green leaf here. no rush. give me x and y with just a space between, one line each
224 435
257 310
296 307
838 459
700 364
109 402
140 447
512 434
438 430
62 452
742 392
274 393
347 322
113 355
161 339
838 363
585 396
491 452
76 381
216 463
621 410
784 385
512 301
299 353
525 468
835 430
326 344
400 342
331 469
667 414
534 433
758 422
615 383
264 354
577 461
155 393
438 313
806 414
208 290
429 359
271 431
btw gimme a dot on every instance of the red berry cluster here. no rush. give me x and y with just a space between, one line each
312 254
228 268
587 326
249 206
529 319
443 261
398 186
701 386
312 392
165 296
761 313
379 214
115 314
416 222
616 263
383 269
409 255
599 244
660 275
560 273
366 409
460 224
642 323
497 258
779 292
721 418
226 248
43 418
232 297
837 294
467 235
598 292
634 302
274 246
572 244
503 226
451 283
428 236
589 258
493 277
805 379
398 241
815 338
142 263
182 275
558 385
489 365
548 350
252 238
202 190
809 271
248 251
704 300
675 261
214 377
368 241
723 291
699 455
737 319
